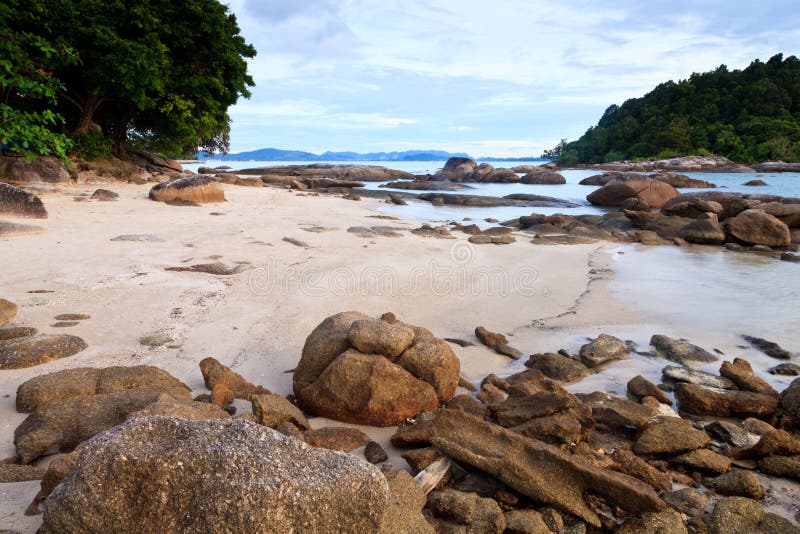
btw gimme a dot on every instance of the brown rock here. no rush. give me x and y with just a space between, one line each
226 385
543 178
373 336
16 332
406 500
738 483
742 374
654 192
687 501
41 169
479 515
199 189
704 460
680 351
468 404
419 459
616 413
558 367
525 522
628 463
537 470
29 351
416 432
701 400
19 473
168 406
490 339
790 401
639 387
59 468
199 476
670 435
739 515
756 227
665 522
703 232
692 208
7 311
432 360
602 349
337 438
270 410
374 453
780 466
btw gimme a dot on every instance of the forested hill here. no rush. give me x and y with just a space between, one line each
745 115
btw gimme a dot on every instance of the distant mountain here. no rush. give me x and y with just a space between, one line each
275 154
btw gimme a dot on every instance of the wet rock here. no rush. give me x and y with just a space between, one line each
19 203
703 460
693 376
756 227
687 501
558 367
742 374
477 514
703 232
525 522
198 189
299 488
785 369
640 387
670 436
87 381
755 183
337 438
790 401
768 347
654 192
104 195
702 400
482 239
25 352
679 351
665 522
739 515
738 483
602 349
271 410
374 453
226 385
628 463
780 466
772 442
731 434
616 413
537 470
8 310
406 500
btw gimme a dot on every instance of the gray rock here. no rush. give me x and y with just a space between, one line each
680 351
602 349
693 376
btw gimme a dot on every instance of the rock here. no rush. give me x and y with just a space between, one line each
206 170
789 214
155 162
681 181
9 229
755 183
457 169
87 381
543 178
406 500
482 239
742 374
635 204
337 438
16 332
10 473
373 336
789 256
680 351
59 426
693 376
785 369
790 401
738 483
639 387
8 310
29 351
628 463
200 189
537 470
419 459
739 515
41 169
497 342
19 203
692 208
425 185
772 442
602 349
558 367
168 406
665 522
220 462
433 361
780 466
702 400
703 460
703 232
731 434
616 413
525 522
670 436
479 515
226 385
654 192
756 227
374 453
216 268
687 501
155 340
59 468
138 237
397 199
271 410
104 195
768 347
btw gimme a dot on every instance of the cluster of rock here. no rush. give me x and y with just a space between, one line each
681 164
468 170
360 173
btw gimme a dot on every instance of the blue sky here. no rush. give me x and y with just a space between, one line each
500 78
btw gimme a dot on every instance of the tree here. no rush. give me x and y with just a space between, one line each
555 152
27 83
161 73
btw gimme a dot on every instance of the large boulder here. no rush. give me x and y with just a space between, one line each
790 401
25 352
701 400
692 207
706 231
789 214
155 162
669 436
457 169
200 189
376 372
537 470
602 349
7 311
677 350
757 227
654 192
543 178
160 474
41 169
19 203
681 181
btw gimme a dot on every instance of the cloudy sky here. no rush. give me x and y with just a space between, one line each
499 78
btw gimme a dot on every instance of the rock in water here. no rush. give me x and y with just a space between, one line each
213 476
29 351
199 189
768 347
602 349
8 310
739 515
703 232
540 471
654 192
19 203
756 227
376 372
679 351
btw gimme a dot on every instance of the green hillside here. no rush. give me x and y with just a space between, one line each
745 115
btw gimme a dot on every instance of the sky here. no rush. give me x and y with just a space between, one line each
505 78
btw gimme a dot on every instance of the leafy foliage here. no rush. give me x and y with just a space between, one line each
28 88
161 73
745 115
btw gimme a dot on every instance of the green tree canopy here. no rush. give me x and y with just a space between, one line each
159 73
745 115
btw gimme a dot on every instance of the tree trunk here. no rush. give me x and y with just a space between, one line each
87 111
